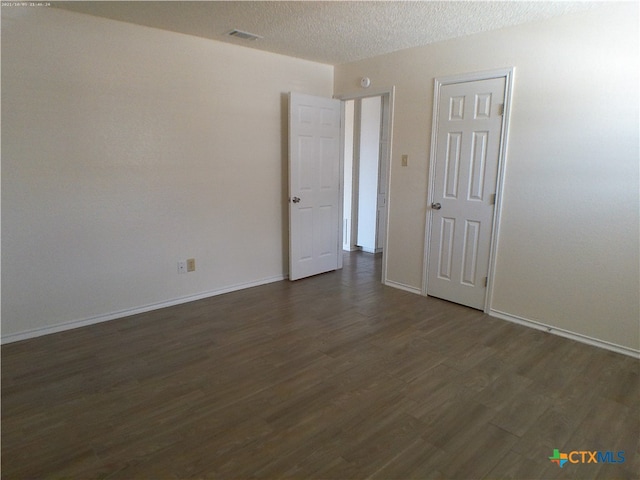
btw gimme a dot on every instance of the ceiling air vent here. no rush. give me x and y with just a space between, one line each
243 35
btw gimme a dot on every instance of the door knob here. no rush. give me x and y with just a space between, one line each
436 206
295 200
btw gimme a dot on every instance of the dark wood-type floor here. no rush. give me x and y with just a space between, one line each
332 377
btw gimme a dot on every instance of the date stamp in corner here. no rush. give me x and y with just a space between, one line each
25 4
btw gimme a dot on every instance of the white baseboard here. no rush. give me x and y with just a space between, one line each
61 327
566 333
402 286
38 332
541 326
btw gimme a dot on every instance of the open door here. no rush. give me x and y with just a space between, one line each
314 185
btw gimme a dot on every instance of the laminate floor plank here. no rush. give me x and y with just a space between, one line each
331 377
469 461
417 461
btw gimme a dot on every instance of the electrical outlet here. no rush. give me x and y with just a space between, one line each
404 160
191 264
182 267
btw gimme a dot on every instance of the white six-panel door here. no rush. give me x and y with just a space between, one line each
314 185
467 150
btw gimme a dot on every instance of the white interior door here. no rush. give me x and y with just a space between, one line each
467 150
314 185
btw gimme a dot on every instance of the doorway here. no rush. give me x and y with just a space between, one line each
367 131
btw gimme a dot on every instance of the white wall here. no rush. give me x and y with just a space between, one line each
368 166
126 149
568 248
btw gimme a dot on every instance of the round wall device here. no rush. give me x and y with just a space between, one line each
365 82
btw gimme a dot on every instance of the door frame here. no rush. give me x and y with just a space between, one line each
508 74
375 92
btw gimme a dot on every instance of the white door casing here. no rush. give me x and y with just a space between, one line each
468 144
314 185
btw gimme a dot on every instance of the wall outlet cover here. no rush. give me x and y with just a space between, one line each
182 267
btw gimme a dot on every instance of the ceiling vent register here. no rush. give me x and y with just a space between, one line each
243 35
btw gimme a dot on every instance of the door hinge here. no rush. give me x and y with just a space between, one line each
486 281
500 109
492 199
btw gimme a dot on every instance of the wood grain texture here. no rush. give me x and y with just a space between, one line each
335 376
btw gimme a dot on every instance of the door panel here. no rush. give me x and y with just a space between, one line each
452 168
470 252
469 128
314 185
478 164
445 247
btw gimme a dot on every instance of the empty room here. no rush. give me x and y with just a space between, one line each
337 240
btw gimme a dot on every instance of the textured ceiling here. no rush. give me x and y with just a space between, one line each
332 32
